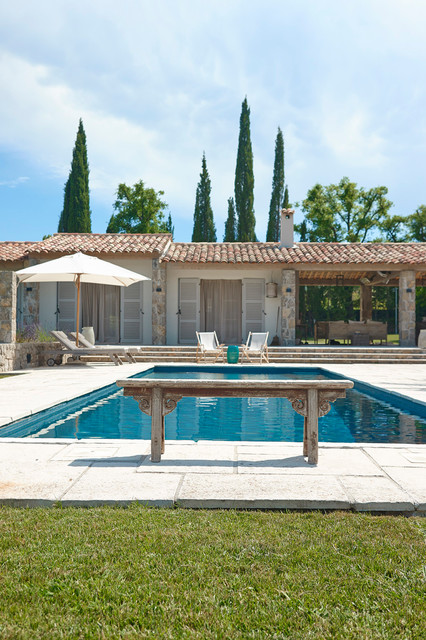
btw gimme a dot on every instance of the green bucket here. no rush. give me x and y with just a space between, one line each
232 354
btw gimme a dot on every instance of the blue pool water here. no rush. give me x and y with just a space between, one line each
360 417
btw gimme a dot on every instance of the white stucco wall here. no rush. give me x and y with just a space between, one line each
218 272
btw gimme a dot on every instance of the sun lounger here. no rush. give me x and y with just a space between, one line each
256 346
127 352
115 354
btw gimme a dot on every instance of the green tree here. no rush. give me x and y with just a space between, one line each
416 224
75 216
204 228
244 180
138 209
277 195
394 229
231 223
344 212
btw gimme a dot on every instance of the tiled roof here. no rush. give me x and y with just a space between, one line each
217 253
300 253
128 243
11 251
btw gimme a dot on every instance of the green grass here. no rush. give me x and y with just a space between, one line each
175 573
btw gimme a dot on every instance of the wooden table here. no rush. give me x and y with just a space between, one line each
309 398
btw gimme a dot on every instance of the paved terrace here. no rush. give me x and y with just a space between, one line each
377 478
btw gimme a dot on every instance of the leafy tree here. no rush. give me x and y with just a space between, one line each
394 229
204 228
277 196
139 209
231 223
75 216
344 212
244 180
416 224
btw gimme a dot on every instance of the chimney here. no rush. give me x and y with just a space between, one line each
287 228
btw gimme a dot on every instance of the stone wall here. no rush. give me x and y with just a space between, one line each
159 292
288 307
24 355
407 309
7 306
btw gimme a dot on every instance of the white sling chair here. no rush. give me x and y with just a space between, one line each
208 346
256 346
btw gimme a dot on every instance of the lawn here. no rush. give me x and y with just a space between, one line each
173 573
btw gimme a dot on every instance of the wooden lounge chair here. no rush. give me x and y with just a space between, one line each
115 354
256 346
127 351
208 346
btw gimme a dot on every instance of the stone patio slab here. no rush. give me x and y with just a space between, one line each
201 458
260 492
110 484
413 481
332 462
382 495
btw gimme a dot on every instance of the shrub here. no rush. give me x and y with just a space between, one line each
33 333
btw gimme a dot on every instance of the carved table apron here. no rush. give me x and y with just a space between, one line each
309 398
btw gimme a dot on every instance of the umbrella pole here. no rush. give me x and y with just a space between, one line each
78 309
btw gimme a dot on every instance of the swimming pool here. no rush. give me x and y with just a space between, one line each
376 416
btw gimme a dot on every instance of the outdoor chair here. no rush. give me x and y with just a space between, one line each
208 346
256 346
128 351
115 354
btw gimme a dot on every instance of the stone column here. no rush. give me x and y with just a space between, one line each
288 307
8 286
407 308
366 303
159 291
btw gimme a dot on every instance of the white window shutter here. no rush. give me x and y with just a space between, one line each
189 310
67 303
132 314
253 305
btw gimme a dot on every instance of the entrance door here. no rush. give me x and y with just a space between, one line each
220 309
132 314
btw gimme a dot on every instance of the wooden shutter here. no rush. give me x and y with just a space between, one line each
189 310
253 305
132 314
67 303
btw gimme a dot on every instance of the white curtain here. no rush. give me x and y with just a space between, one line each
101 310
220 309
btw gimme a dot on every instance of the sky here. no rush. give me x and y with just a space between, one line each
159 83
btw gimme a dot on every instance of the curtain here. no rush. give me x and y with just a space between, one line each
220 309
101 310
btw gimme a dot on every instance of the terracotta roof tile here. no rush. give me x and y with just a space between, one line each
12 251
300 253
106 243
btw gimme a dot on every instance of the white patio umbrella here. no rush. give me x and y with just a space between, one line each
79 268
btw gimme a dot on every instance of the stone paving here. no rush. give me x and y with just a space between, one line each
376 478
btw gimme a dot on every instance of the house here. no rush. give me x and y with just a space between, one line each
232 288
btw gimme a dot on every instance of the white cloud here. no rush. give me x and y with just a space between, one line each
12 184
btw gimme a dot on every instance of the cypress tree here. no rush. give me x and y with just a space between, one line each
277 195
204 228
231 223
286 202
244 180
75 216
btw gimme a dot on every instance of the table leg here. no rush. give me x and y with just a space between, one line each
305 437
157 422
312 426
